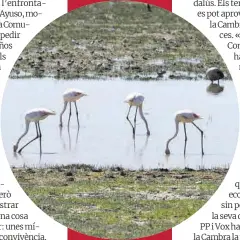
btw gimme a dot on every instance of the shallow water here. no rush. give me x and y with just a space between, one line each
105 136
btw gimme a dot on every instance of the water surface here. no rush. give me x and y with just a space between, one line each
105 136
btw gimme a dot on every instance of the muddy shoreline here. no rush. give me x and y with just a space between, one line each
120 40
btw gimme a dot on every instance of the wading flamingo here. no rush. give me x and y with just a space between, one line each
35 115
214 74
136 100
69 96
185 116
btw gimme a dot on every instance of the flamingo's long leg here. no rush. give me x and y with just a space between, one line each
135 120
144 119
76 113
40 138
131 126
185 144
129 119
77 135
20 150
39 130
128 112
62 138
201 131
70 112
69 139
64 109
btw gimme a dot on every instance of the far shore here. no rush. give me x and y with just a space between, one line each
120 40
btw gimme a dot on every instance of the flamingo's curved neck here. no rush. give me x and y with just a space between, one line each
64 109
176 133
26 131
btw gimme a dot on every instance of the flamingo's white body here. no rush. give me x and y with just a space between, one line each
73 94
35 115
214 74
136 100
185 116
69 96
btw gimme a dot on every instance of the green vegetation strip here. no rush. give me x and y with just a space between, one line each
116 202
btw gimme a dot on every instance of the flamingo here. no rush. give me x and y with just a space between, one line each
214 74
136 99
69 96
185 116
35 115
